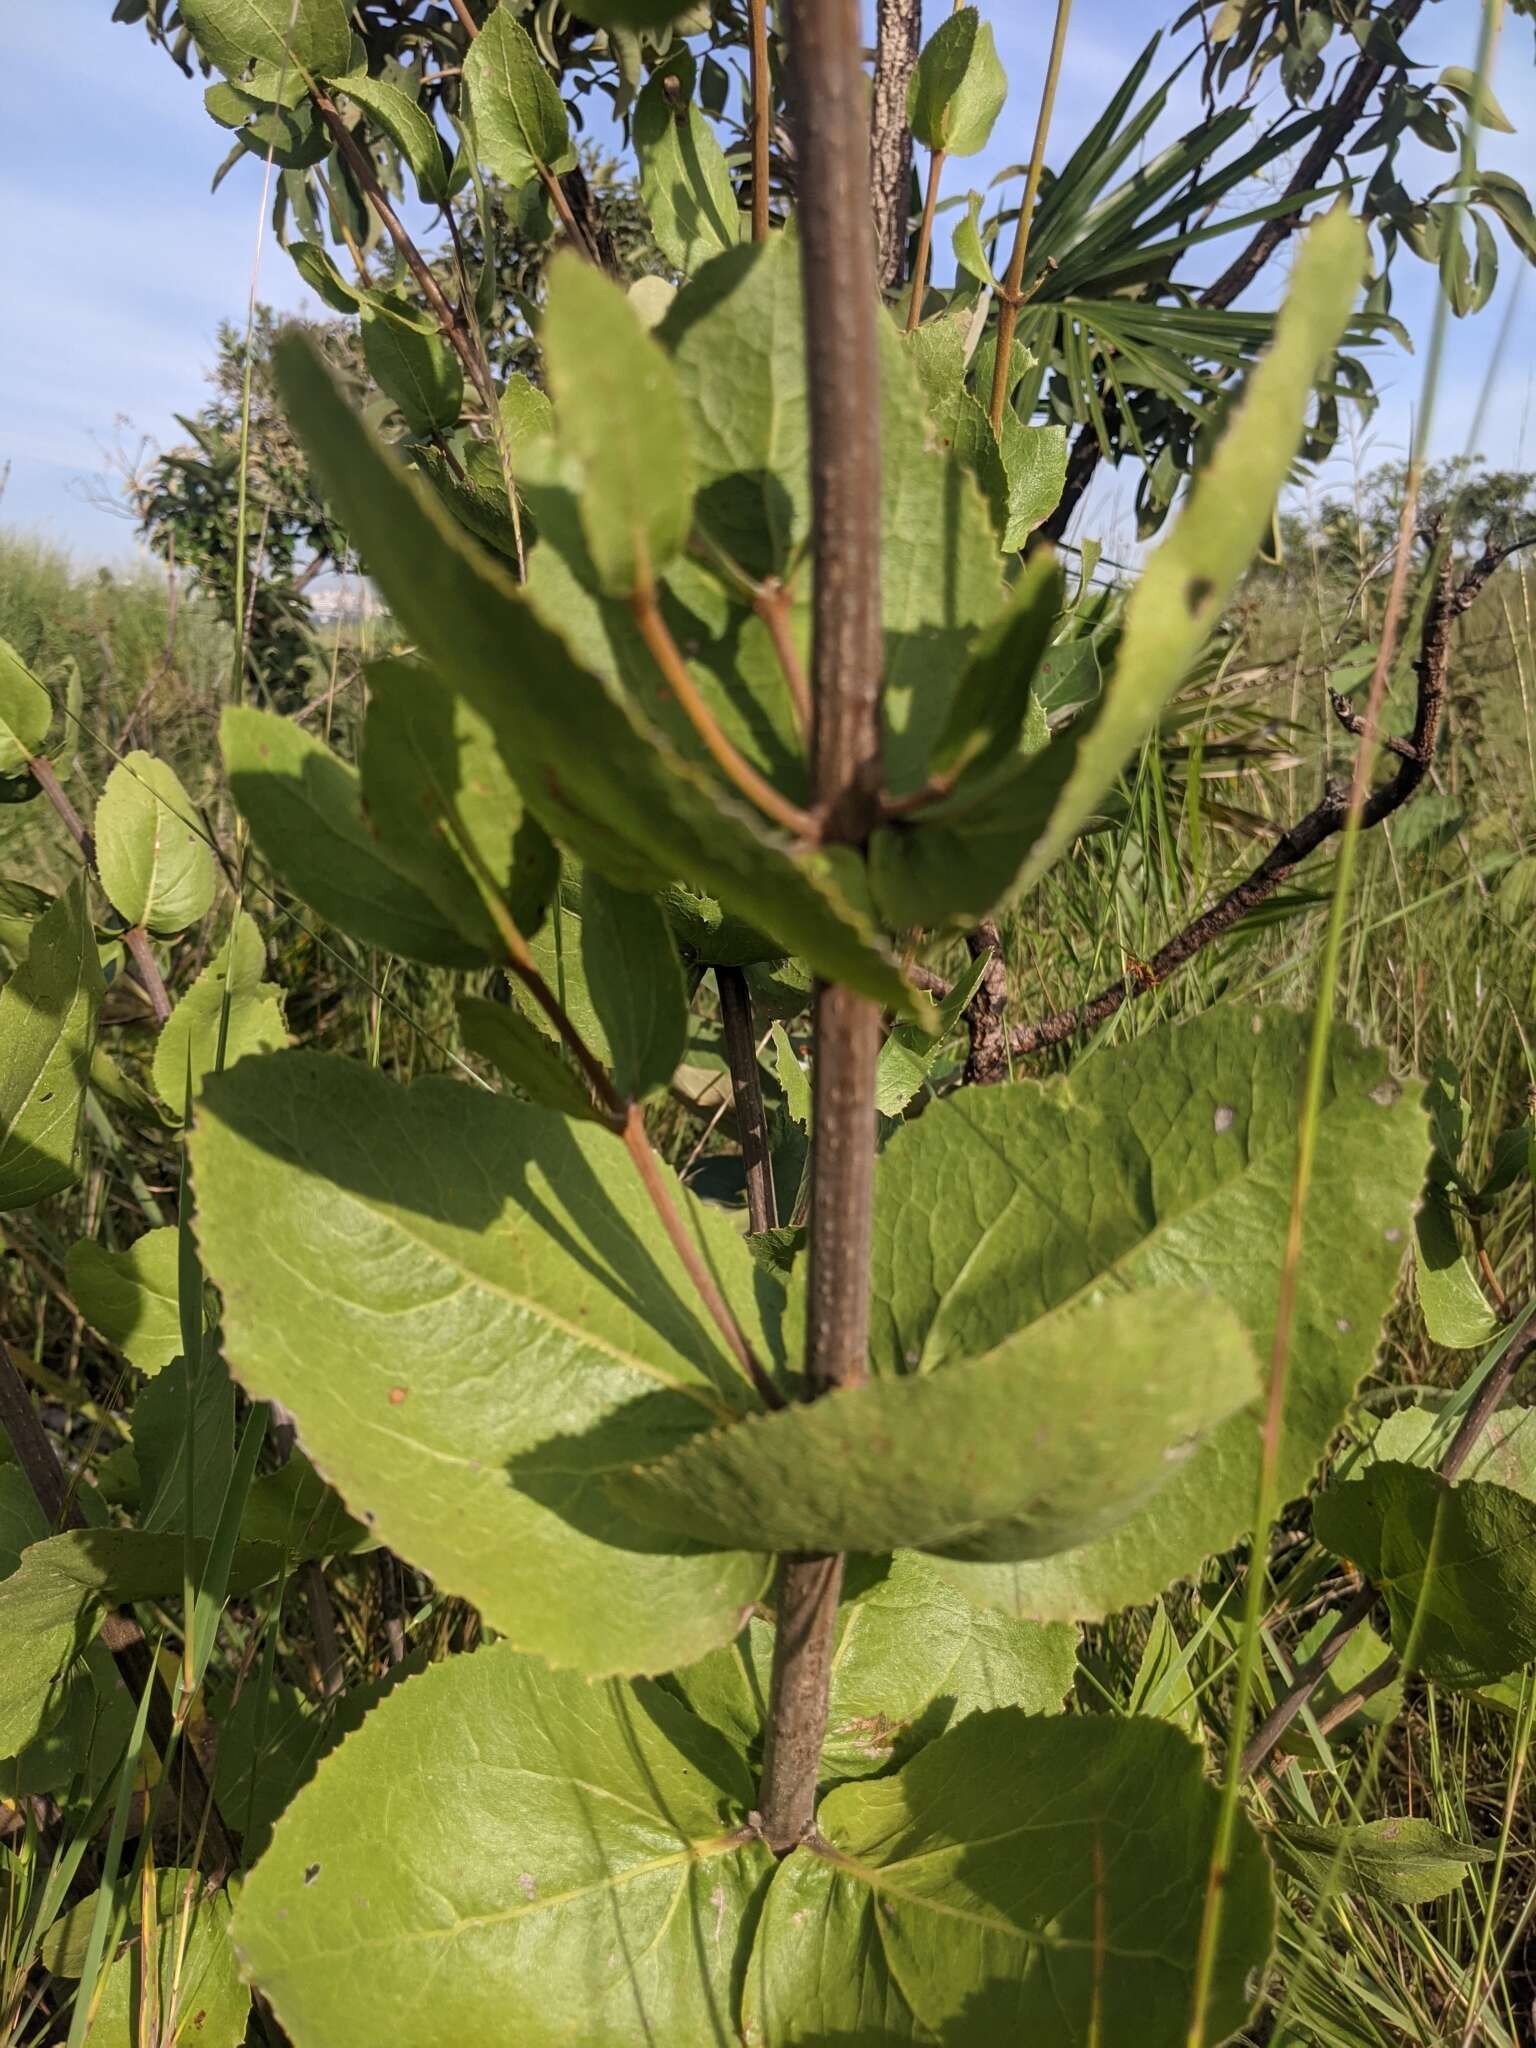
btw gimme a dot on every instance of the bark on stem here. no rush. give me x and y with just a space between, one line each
827 95
898 36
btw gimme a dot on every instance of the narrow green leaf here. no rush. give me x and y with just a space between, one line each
970 251
555 1862
596 774
1397 1862
520 123
319 272
314 34
408 126
1022 1880
444 809
470 1308
636 985
994 1458
1473 93
231 1006
303 805
26 712
619 413
517 1049
151 851
959 87
130 1298
47 1025
1457 1565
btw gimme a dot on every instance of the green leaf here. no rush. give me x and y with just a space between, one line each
199 1400
1473 93
685 183
993 1458
997 1889
998 833
230 1010
433 783
556 1862
26 712
319 272
990 715
1166 1162
412 364
295 1509
303 805
619 413
408 126
1456 1311
1397 1862
151 850
520 122
1504 1452
52 1605
47 1025
194 1986
636 985
635 14
131 1298
912 1657
596 774
1035 464
911 1052
1457 1565
471 1310
958 88
21 905
970 251
314 34
792 1078
523 1054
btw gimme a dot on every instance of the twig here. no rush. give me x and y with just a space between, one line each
1012 295
747 1096
841 311
989 1059
762 116
771 602
120 1632
924 241
668 657
461 9
898 37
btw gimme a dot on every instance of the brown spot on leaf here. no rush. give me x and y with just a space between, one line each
311 1873
1196 591
396 1396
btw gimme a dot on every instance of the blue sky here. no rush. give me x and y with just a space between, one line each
117 263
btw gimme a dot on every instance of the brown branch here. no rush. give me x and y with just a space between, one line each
1013 295
734 765
985 1016
762 116
120 1632
747 1096
898 37
924 241
771 602
1308 1678
1449 599
461 9
827 100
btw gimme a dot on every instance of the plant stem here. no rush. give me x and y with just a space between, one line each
142 953
762 116
924 241
1012 294
668 657
841 310
747 1096
898 37
771 602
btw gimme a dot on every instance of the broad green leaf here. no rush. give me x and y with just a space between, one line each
47 1025
1456 1310
994 1458
77 1752
619 413
970 251
26 712
408 126
304 807
523 1054
319 272
958 88
990 714
312 34
912 1657
1164 1163
999 832
792 1078
1503 1454
441 804
1473 93
636 985
21 1519
412 364
557 956
52 1605
151 851
594 772
685 183
230 1010
21 905
130 1298
179 1401
520 123
1035 464
1021 1880
1397 1862
470 1308
556 1862
295 1509
1457 1565
194 1988
911 1052
1362 1657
